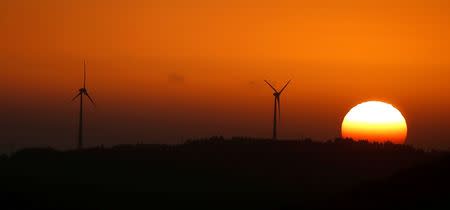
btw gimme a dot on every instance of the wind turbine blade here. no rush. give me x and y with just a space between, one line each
76 96
285 86
84 79
271 86
90 99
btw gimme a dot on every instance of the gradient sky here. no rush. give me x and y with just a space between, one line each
165 71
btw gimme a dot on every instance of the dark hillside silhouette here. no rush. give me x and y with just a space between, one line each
239 170
424 186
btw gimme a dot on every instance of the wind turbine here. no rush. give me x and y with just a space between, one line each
82 92
277 108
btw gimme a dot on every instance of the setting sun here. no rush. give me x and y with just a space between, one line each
376 122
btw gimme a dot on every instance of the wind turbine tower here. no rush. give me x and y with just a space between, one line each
82 92
277 107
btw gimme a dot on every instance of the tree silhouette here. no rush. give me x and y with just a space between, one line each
298 173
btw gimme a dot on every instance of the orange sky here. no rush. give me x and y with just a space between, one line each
163 71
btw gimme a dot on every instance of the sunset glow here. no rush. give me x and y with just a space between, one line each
376 122
167 71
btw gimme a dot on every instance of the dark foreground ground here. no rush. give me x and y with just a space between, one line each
228 174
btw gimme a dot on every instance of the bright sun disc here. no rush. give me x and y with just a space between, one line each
376 122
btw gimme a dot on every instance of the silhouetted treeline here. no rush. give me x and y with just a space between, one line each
263 172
